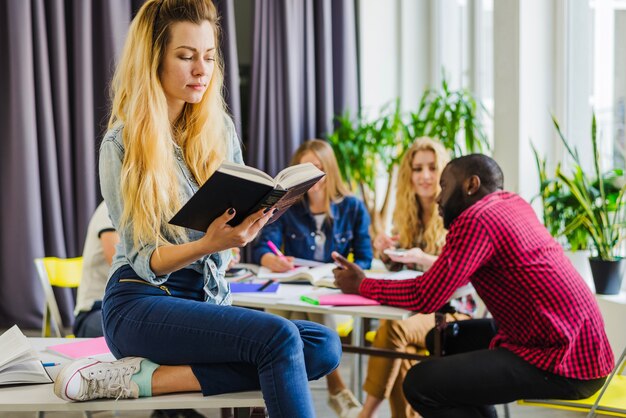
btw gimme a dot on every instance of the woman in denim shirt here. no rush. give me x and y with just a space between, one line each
328 219
166 300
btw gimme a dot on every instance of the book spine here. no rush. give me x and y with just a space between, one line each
270 199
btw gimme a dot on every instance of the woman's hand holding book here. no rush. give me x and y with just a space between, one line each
221 236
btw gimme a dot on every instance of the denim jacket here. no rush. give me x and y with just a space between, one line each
212 266
295 229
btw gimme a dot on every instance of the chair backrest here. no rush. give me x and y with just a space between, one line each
60 272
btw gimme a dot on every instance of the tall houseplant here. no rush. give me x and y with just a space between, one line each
453 117
364 148
559 208
602 213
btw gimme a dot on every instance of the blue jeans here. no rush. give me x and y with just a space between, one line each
229 349
88 324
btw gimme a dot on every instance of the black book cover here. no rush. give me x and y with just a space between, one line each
221 192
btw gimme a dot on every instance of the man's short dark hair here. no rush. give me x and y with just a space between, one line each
480 165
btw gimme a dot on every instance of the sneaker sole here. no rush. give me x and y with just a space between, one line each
67 373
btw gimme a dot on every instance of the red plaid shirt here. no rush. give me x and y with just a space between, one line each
545 312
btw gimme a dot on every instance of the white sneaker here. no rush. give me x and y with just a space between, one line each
345 404
87 379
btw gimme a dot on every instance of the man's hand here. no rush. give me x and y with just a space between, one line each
348 276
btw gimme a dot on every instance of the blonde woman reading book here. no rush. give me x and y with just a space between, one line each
328 219
166 310
418 228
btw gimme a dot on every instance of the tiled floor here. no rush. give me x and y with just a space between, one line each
323 411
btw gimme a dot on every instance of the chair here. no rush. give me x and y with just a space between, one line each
60 272
609 400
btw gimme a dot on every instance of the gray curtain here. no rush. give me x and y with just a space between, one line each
57 60
228 45
304 72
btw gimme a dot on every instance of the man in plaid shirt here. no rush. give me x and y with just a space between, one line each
550 341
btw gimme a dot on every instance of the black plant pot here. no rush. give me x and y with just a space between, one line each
607 275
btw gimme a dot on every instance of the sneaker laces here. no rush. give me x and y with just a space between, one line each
346 401
109 383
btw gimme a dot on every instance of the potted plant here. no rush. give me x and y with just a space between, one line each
600 211
559 208
363 149
452 116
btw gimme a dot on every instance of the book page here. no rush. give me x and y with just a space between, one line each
296 174
317 276
14 346
291 275
31 371
323 275
246 172
19 363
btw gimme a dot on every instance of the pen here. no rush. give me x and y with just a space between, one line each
265 285
50 364
309 300
275 249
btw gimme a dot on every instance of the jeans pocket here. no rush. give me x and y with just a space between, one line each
143 282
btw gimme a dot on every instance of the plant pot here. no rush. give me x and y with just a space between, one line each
607 275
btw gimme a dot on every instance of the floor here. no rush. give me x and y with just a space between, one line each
319 396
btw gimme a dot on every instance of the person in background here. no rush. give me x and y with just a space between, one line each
327 219
418 228
167 311
98 255
550 341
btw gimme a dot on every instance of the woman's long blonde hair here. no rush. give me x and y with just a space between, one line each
409 214
336 189
149 186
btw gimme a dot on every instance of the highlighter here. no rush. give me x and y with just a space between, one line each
310 300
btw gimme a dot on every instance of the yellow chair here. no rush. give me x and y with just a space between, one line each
609 400
345 328
60 272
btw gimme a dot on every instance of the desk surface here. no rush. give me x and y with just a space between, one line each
42 398
288 298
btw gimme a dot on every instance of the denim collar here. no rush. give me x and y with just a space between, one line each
302 208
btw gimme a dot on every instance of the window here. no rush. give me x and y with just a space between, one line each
596 70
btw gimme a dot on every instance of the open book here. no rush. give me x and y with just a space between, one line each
321 276
246 189
19 363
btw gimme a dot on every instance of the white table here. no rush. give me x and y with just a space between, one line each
287 298
42 398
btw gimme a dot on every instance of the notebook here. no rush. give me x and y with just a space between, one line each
338 299
81 348
253 287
